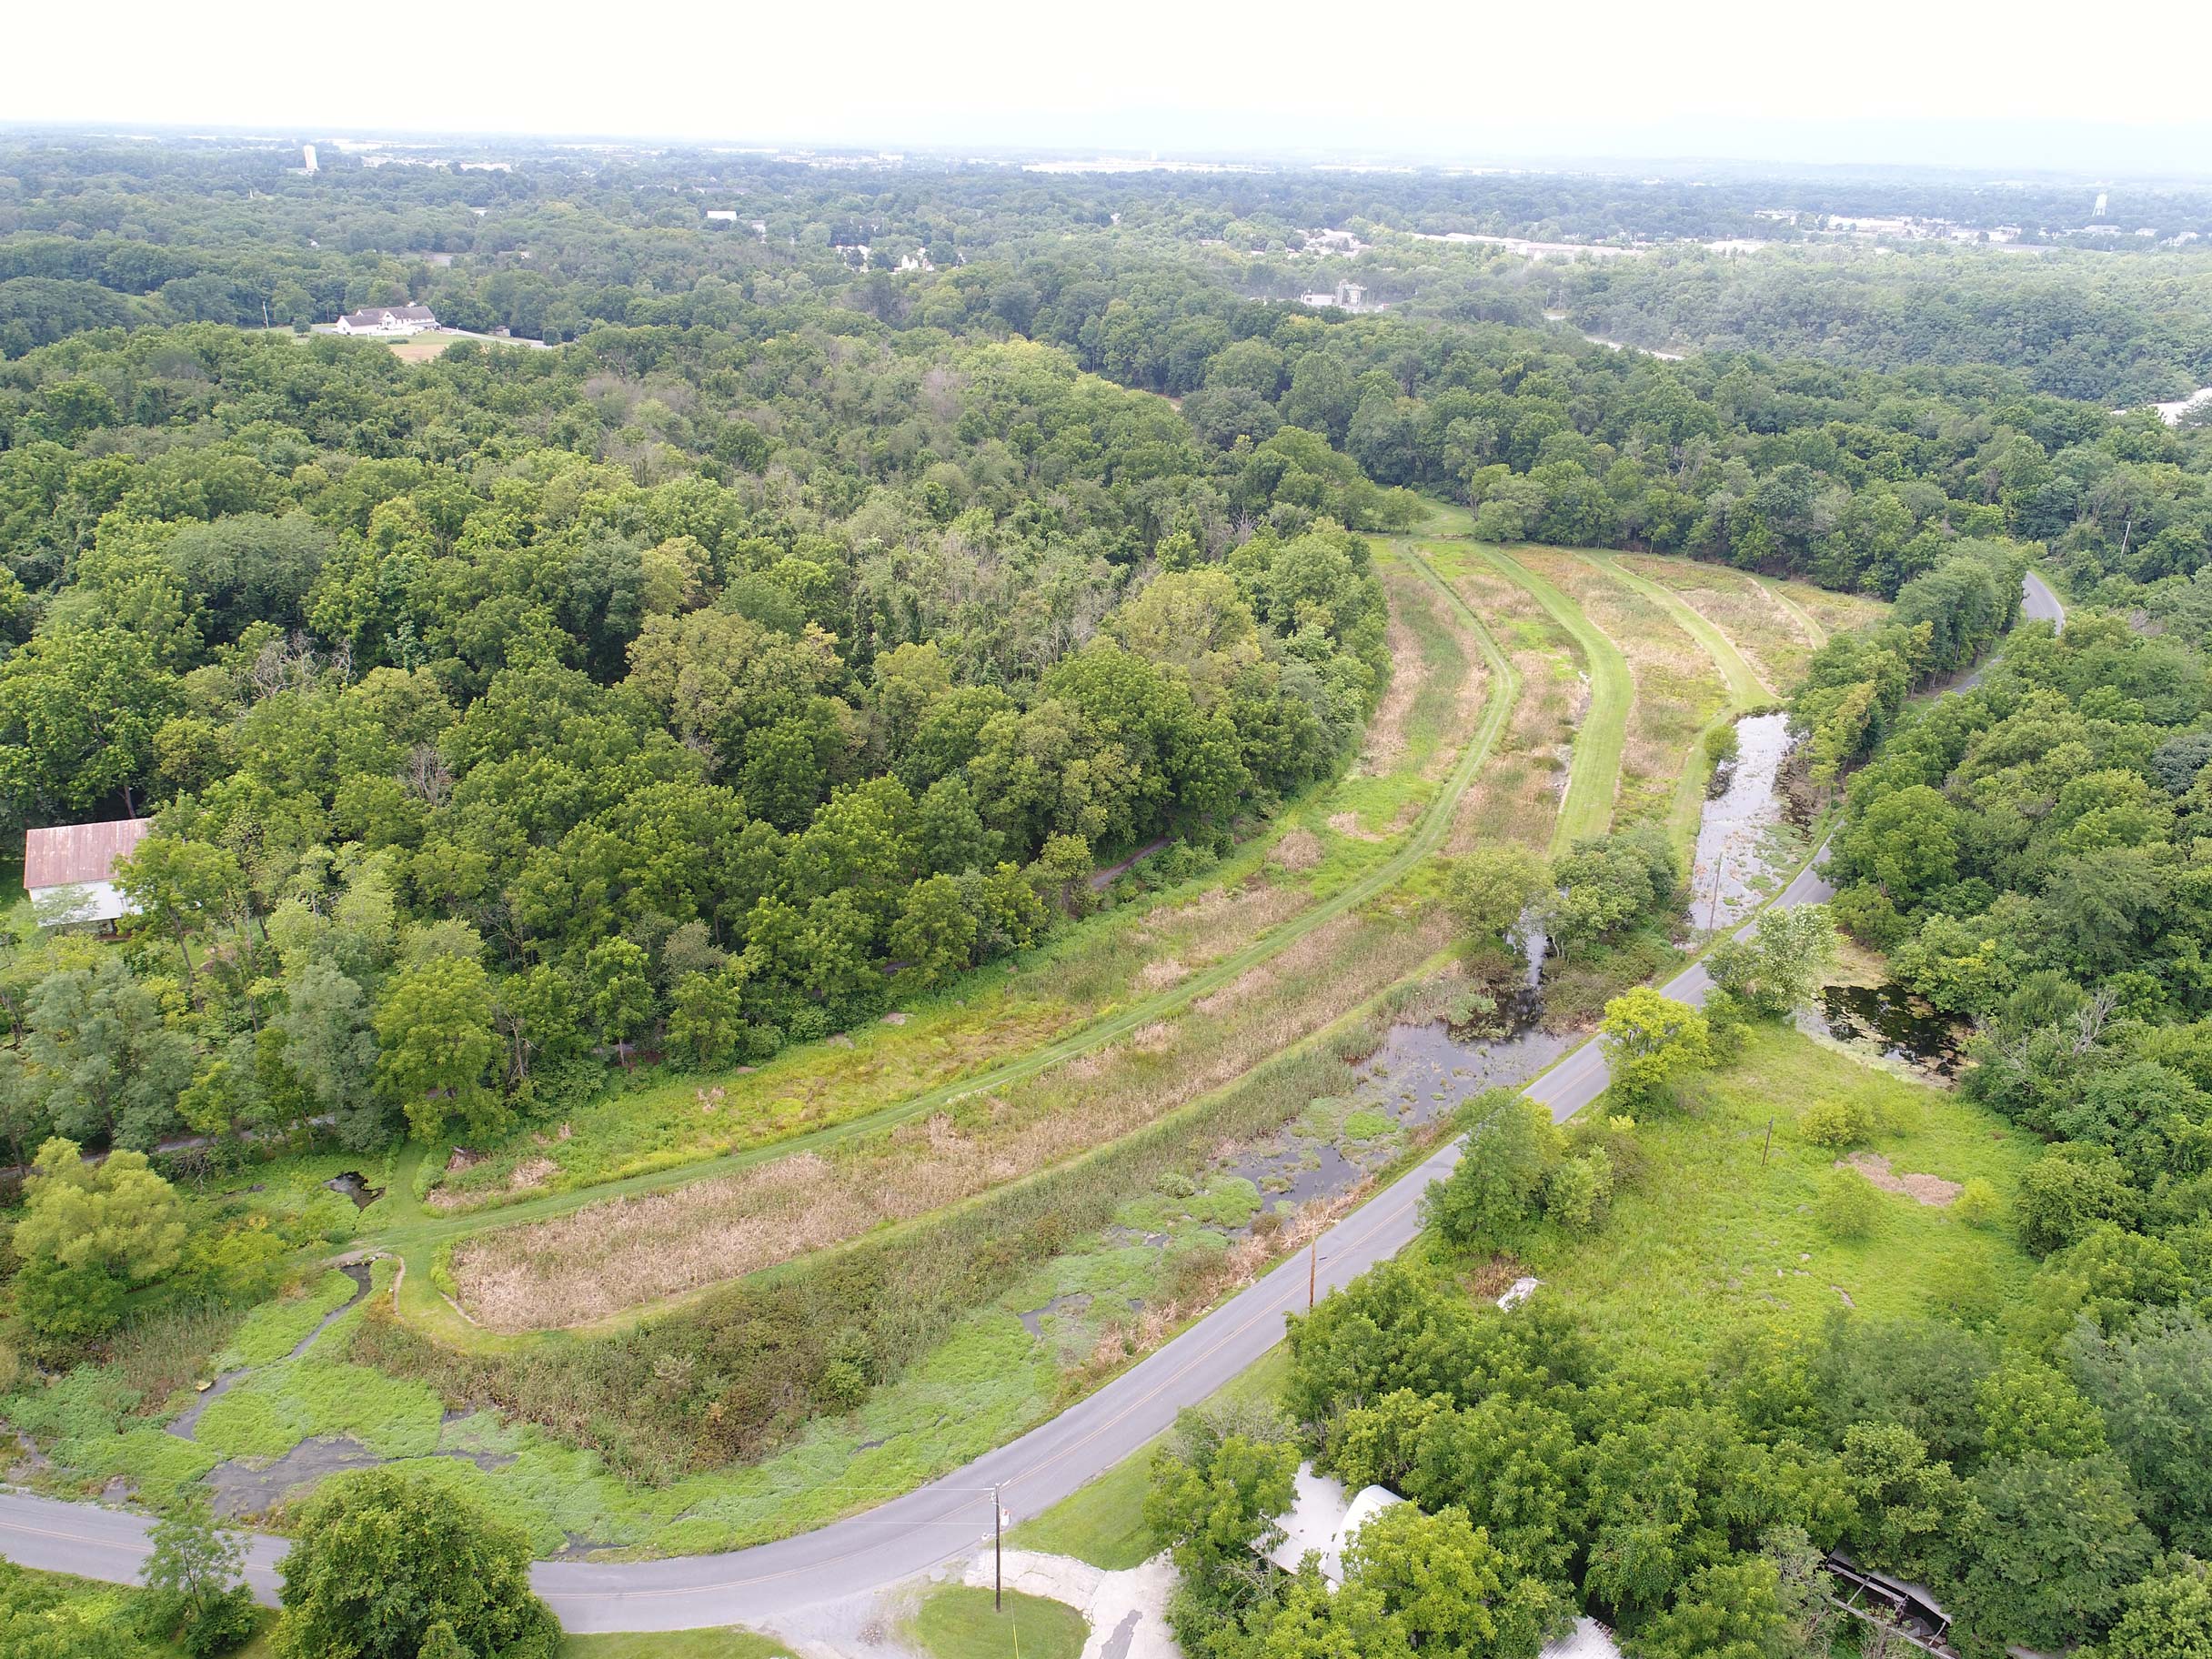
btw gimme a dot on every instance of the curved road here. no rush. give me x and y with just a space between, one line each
951 1516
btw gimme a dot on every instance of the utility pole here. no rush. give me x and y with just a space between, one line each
998 1554
1312 1270
1720 869
1770 1143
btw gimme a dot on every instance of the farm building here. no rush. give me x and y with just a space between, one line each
388 319
69 871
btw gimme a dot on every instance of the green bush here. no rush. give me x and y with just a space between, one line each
1577 1193
1848 1206
1844 1122
1977 1204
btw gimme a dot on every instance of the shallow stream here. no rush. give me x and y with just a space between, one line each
1744 846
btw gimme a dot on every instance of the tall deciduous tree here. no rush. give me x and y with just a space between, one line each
435 1028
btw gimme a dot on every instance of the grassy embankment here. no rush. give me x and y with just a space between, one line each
1746 690
1601 735
609 1258
1718 1237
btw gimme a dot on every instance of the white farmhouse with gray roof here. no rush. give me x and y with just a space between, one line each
388 319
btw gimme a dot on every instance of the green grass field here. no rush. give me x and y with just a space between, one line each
1719 1234
958 1622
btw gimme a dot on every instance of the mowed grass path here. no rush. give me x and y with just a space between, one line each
1594 774
1746 690
416 1232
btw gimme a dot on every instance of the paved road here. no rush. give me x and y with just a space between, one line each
919 1530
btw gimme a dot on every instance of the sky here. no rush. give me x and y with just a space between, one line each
1907 82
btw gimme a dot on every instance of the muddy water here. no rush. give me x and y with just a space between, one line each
1743 847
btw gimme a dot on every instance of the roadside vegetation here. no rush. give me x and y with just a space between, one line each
960 1622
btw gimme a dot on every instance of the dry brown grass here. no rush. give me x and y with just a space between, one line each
1517 796
1348 823
1298 849
608 1257
1771 639
1160 974
1385 740
1931 1190
1678 688
1835 611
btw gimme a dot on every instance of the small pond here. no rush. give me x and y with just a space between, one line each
354 1185
1889 1019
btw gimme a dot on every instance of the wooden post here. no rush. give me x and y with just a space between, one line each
1770 1143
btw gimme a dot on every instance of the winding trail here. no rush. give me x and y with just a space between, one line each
1815 634
1594 775
926 1527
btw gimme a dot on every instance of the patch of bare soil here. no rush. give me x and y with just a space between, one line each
1348 823
1932 1190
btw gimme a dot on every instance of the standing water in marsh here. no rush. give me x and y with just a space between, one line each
1743 847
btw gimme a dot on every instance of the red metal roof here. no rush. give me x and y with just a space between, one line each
68 854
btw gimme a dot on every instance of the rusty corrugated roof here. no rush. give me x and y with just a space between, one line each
67 854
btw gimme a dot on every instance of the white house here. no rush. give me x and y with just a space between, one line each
727 216
388 319
69 871
1323 1521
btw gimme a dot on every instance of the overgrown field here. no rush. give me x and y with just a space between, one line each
1676 689
1723 1230
1517 797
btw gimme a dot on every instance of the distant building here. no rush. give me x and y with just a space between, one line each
69 871
727 216
1345 295
308 162
388 319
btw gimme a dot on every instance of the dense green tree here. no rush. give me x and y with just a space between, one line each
385 1558
89 1233
1650 1040
435 1026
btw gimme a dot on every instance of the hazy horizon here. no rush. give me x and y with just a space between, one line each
1915 86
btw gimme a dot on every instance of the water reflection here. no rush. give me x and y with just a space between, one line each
1890 1020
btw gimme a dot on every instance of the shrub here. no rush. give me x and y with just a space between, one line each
1578 1193
1977 1204
1842 1122
1848 1207
1512 1145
